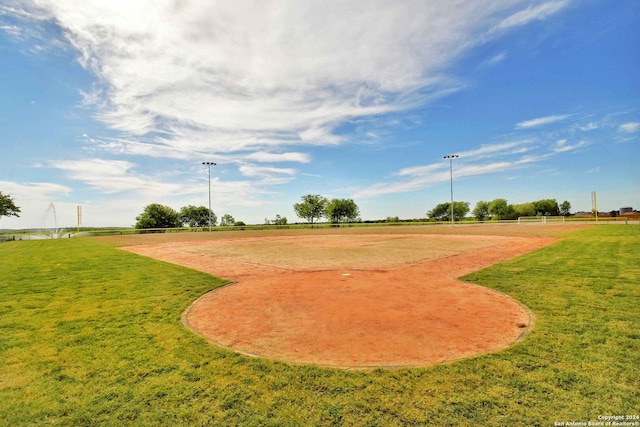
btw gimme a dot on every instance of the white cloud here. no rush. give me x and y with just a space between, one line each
426 176
470 163
238 76
512 147
533 13
589 127
115 176
631 127
542 121
266 157
33 199
34 190
494 60
250 170
561 146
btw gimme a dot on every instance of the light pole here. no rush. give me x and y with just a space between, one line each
451 157
209 164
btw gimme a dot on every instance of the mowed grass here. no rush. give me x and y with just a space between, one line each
91 335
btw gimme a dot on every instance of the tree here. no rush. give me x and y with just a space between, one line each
278 220
197 216
227 220
547 207
158 216
342 210
442 212
525 209
481 211
500 209
7 206
460 210
565 208
312 207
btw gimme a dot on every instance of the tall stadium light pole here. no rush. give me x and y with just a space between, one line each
451 157
209 164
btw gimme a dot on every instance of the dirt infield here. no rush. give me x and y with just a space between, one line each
353 300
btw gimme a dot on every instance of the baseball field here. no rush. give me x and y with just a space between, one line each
466 325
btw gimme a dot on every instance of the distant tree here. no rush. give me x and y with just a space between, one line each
312 207
460 210
481 211
227 220
278 220
500 209
565 208
392 219
613 214
197 216
158 216
239 223
442 211
547 207
525 209
342 210
7 206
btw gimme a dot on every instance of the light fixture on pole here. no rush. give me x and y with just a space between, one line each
209 164
451 157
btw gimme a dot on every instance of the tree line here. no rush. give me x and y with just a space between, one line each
499 209
313 207
156 215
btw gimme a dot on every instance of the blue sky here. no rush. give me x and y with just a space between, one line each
115 105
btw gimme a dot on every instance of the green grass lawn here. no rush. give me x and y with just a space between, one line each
90 335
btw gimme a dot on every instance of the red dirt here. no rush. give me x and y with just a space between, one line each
353 301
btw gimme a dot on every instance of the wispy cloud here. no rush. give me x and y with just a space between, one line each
35 190
588 127
506 148
238 76
470 163
494 60
631 127
250 170
532 13
263 156
113 176
33 199
561 146
542 121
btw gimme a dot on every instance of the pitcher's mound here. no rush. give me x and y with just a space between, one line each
353 301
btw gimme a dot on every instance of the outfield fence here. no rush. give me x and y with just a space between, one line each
67 233
542 219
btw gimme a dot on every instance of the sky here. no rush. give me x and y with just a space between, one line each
114 105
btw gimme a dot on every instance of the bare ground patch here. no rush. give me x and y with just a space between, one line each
353 300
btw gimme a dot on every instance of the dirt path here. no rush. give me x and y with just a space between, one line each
353 301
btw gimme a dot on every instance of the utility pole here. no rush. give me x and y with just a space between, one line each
451 157
209 164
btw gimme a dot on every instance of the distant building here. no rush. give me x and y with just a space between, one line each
629 213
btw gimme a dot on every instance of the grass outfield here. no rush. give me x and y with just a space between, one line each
90 335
